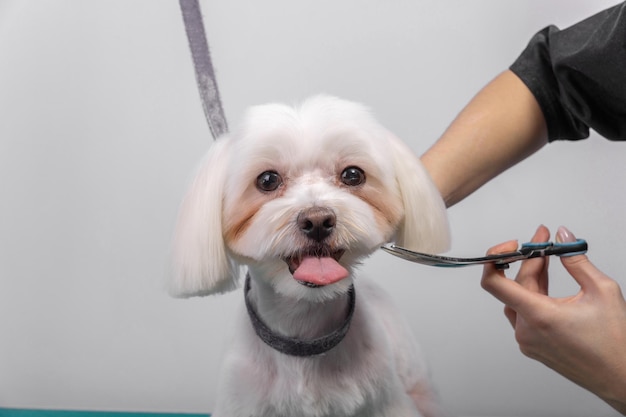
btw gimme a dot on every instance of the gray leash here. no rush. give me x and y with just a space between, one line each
205 76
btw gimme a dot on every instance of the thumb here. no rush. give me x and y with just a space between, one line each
579 266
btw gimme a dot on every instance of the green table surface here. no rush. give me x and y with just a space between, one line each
21 412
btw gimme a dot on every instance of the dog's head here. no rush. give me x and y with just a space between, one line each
300 195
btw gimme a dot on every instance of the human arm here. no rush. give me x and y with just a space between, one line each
502 125
583 336
564 83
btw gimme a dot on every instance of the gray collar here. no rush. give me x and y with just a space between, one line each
297 347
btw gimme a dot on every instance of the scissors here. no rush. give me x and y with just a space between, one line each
501 260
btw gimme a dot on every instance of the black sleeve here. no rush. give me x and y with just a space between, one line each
578 76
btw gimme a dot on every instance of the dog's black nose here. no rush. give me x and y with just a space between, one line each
317 222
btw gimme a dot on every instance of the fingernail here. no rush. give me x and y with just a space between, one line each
563 235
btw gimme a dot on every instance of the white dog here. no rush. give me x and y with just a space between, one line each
300 196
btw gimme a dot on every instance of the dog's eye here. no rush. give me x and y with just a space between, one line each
268 181
353 176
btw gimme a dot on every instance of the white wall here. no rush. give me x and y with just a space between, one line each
101 127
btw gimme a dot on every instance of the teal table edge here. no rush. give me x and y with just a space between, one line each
22 412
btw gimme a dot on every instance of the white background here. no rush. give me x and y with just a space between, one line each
101 128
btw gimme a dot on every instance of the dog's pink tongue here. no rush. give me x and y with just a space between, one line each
320 271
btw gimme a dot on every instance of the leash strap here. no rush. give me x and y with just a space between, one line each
203 66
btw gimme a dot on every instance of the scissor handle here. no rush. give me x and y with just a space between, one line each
577 247
538 249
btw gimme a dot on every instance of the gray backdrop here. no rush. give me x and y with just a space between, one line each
101 128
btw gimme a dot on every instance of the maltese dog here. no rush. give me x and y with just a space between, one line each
300 196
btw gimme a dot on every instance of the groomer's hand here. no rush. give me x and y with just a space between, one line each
582 337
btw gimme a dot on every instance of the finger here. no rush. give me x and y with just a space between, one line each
508 246
492 275
542 234
579 266
507 291
533 273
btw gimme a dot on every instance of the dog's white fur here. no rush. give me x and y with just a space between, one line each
225 222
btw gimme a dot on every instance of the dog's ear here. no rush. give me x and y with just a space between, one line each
201 265
425 226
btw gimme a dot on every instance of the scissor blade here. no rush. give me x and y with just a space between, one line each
432 260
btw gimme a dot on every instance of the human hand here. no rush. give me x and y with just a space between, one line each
583 336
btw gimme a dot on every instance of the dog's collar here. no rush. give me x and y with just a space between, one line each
298 347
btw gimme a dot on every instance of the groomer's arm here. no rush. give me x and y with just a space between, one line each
502 125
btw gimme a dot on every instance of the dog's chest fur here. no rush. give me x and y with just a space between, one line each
359 377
